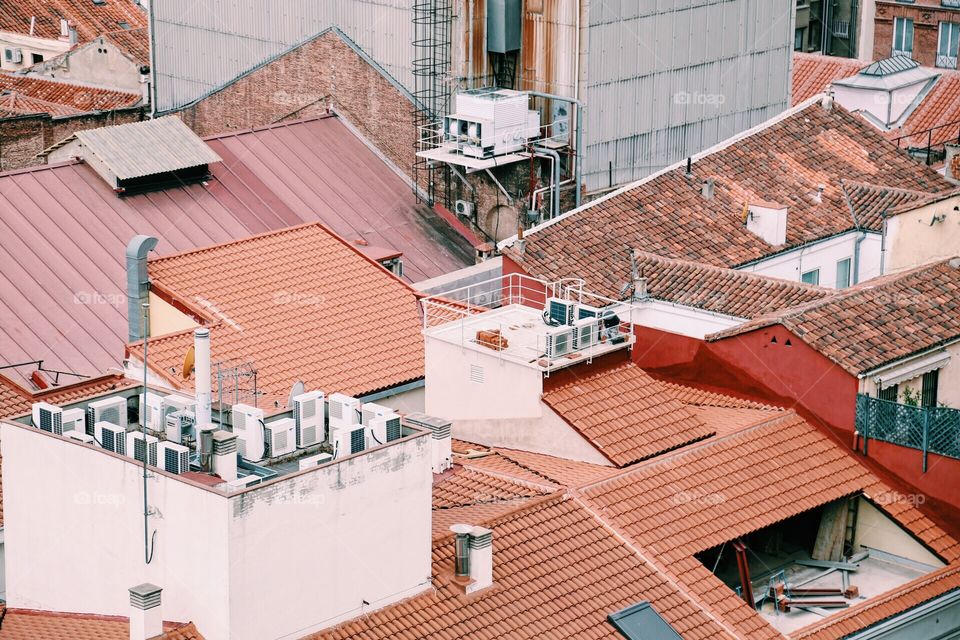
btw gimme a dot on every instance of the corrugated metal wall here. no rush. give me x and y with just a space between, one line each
665 78
199 46
669 78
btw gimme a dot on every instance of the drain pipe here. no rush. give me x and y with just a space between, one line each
861 236
578 139
555 205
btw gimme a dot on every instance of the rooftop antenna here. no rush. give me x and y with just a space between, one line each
148 541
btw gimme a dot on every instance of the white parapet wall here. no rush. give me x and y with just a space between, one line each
279 560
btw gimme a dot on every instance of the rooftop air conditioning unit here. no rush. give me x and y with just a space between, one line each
140 449
490 122
588 311
384 429
151 415
314 461
369 410
560 311
464 208
348 440
308 413
559 341
74 420
174 403
112 437
80 436
280 437
175 458
13 55
586 333
112 410
48 417
344 410
248 425
177 425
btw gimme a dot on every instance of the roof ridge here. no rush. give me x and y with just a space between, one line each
560 495
510 478
267 127
236 241
593 375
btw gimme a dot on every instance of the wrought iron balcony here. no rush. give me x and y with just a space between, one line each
947 62
929 429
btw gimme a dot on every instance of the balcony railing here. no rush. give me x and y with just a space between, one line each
947 62
929 429
841 29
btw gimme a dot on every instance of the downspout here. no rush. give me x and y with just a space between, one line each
470 45
579 155
583 50
861 236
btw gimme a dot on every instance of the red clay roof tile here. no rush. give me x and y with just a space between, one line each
90 19
813 73
29 624
300 304
20 95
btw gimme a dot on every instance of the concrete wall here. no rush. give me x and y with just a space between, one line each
791 265
165 318
886 107
877 531
99 63
22 138
308 548
918 237
865 38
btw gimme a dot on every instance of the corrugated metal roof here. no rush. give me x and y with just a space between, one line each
145 148
63 231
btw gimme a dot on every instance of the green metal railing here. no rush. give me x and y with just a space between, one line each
929 429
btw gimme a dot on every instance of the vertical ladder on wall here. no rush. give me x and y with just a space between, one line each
431 78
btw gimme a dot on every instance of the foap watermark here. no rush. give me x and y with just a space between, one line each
97 298
299 299
890 498
698 497
695 97
97 499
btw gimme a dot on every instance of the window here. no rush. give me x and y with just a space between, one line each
811 277
928 391
798 40
36 58
902 37
890 393
947 45
843 273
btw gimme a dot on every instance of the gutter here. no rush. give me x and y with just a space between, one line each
393 391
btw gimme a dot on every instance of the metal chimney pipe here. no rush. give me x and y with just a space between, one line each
201 360
462 555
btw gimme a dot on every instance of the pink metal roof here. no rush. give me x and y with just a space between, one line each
63 232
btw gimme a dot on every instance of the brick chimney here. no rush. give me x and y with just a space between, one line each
146 617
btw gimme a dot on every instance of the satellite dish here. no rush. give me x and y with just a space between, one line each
188 359
298 389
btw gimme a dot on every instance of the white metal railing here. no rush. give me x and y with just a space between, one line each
901 52
841 28
463 305
433 135
947 62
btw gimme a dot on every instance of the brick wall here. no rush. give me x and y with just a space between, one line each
299 85
926 27
22 138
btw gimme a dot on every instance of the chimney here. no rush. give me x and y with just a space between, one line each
146 619
827 101
225 455
639 282
461 558
145 84
441 452
201 359
769 222
951 167
72 33
481 559
689 173
205 445
138 283
706 189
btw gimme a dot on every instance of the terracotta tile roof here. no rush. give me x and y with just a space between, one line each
869 203
727 291
785 160
941 106
878 609
878 321
23 95
300 304
725 420
89 18
134 42
29 624
813 73
559 471
703 398
15 400
462 487
626 414
558 572
693 500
